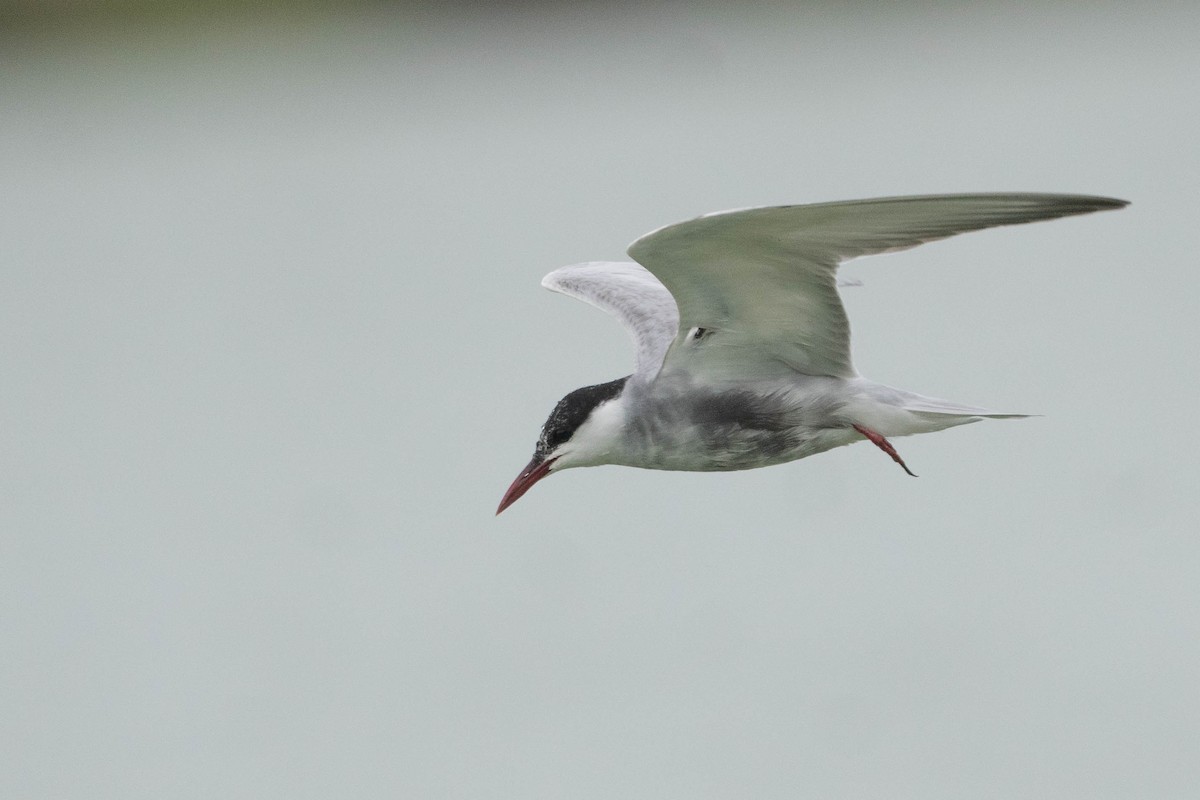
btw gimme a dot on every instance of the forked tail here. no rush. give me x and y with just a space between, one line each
919 404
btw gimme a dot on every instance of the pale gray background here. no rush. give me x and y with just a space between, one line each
273 346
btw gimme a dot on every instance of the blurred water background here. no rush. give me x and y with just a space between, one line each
272 346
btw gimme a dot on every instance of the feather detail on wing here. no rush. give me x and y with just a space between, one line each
763 280
631 294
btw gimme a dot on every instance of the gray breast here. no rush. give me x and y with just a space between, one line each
729 430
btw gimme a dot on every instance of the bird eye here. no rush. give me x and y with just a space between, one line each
698 333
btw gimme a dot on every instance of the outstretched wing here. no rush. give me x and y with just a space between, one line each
756 288
631 294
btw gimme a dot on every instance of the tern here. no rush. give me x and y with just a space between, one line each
742 343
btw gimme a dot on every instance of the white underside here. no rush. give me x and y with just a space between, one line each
654 430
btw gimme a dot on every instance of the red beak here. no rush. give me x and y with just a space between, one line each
534 471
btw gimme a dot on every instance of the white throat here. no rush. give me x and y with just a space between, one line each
599 440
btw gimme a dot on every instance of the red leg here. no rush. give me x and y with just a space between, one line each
884 445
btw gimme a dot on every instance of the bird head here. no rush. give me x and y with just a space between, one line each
582 431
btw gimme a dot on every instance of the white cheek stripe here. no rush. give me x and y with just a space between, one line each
597 439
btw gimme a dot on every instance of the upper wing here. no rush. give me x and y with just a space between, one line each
632 295
762 281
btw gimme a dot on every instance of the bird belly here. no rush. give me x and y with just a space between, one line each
734 430
726 451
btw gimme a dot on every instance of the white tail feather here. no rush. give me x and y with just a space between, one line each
932 405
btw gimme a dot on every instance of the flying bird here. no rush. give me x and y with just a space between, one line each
742 343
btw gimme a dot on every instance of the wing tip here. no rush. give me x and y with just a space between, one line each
1084 203
556 280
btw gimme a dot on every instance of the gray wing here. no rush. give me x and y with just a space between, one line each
632 295
760 283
